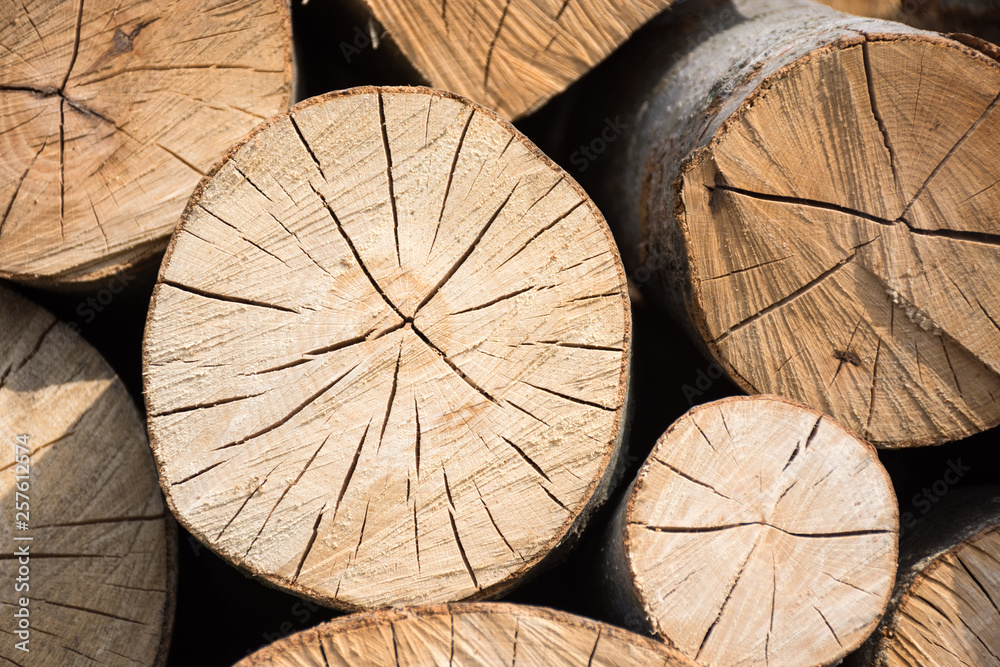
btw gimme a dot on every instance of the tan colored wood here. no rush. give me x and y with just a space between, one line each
386 357
973 17
757 532
509 55
483 634
879 9
825 215
944 609
102 549
110 113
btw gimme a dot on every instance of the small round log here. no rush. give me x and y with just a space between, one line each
89 564
386 358
757 532
815 198
487 634
944 609
110 113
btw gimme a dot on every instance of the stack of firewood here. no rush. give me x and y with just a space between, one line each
395 360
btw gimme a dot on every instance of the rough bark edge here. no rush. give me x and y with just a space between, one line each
690 289
612 464
937 536
367 619
625 595
86 276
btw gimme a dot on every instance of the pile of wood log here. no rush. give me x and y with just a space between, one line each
396 360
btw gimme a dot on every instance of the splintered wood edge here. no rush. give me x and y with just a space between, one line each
703 160
169 526
307 641
144 255
627 591
611 464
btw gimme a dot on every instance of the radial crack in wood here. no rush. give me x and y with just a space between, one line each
758 487
510 56
804 188
367 422
111 112
466 635
92 556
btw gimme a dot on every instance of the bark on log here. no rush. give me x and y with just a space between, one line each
757 532
483 635
100 574
111 112
386 359
812 194
944 610
509 56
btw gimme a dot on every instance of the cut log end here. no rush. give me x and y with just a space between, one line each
944 609
509 56
111 113
949 615
98 572
863 191
796 518
467 634
386 360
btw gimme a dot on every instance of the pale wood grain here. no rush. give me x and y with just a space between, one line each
102 576
509 55
110 113
757 532
486 634
815 196
386 358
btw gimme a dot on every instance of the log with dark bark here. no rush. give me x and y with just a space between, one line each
944 609
386 359
482 635
509 56
90 552
816 198
757 532
110 113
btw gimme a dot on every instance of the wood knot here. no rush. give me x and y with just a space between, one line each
123 40
848 356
